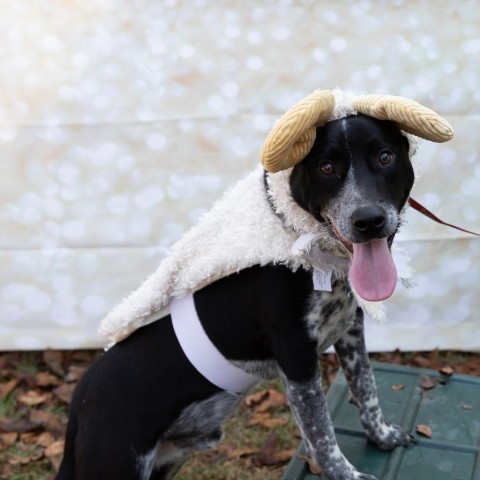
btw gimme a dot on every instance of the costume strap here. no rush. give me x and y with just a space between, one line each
202 353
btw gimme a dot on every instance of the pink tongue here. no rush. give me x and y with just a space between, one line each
373 273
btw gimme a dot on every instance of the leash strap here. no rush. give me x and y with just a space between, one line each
420 208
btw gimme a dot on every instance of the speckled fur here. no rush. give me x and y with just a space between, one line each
335 318
265 318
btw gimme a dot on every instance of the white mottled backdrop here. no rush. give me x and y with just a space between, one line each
121 121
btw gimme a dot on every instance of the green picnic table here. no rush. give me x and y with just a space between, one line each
448 405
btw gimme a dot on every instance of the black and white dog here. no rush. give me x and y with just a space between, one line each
143 407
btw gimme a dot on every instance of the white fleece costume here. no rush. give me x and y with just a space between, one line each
243 230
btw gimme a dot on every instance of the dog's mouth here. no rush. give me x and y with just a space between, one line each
372 274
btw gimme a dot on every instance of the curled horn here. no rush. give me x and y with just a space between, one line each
409 115
292 137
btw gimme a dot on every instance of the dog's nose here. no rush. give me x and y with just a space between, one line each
368 220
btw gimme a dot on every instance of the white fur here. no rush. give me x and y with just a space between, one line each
240 231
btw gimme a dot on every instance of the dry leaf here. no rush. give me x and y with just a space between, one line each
257 418
274 422
55 449
396 388
64 392
47 419
8 439
7 388
285 455
45 439
466 406
424 430
256 398
54 361
428 383
18 460
447 371
266 399
29 438
266 456
21 425
45 379
312 466
241 452
32 397
274 399
75 373
421 361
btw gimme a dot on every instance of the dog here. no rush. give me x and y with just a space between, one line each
142 407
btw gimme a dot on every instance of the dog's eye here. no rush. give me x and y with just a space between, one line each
386 157
327 168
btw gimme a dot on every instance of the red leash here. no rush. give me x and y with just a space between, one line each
420 208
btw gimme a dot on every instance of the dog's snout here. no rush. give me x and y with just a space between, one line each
368 220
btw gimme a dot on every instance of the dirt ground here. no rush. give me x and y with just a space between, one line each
36 389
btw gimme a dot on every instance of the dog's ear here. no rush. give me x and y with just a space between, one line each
409 115
300 185
293 135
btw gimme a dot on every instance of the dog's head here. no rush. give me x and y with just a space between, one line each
351 173
356 179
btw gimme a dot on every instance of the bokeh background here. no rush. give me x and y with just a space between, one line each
122 121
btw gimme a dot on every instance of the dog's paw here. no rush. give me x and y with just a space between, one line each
389 436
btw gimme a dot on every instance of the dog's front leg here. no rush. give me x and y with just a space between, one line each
353 357
310 409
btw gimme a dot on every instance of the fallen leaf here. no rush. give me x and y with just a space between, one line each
45 439
274 422
64 392
447 371
18 460
55 449
421 361
256 398
466 406
7 388
32 397
266 399
434 357
47 419
428 383
75 373
312 465
285 455
8 439
274 399
45 379
266 456
29 437
20 426
258 418
241 452
264 419
54 361
424 430
396 388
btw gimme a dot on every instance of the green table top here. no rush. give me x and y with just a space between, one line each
451 409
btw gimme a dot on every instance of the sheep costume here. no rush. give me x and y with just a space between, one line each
257 222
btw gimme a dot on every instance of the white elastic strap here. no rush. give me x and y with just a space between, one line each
201 352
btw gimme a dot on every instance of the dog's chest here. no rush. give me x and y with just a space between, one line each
330 314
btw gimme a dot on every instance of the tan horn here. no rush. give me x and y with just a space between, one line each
408 114
292 137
